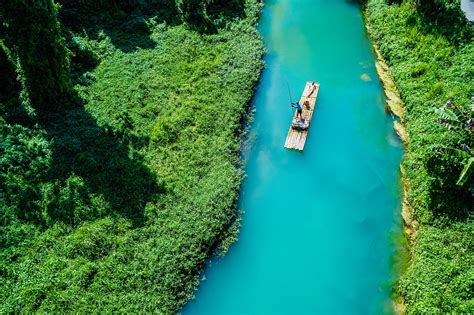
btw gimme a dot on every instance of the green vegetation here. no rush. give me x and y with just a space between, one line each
44 62
112 200
429 46
455 118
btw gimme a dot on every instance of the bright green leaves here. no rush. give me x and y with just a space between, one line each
466 173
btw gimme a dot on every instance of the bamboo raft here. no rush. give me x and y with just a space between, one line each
296 139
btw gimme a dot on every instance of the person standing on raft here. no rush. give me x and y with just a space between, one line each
299 109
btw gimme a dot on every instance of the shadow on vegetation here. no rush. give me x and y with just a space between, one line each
441 19
228 9
446 20
10 88
73 169
127 23
208 19
446 198
93 171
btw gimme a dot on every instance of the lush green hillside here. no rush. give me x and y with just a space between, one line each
115 192
429 47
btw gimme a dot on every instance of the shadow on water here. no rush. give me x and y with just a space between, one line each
356 2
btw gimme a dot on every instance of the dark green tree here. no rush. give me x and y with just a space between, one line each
443 17
9 86
193 10
33 32
438 5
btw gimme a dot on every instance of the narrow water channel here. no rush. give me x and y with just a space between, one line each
316 236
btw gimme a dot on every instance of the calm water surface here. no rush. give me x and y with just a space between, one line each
317 229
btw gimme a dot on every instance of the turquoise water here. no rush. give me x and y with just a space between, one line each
316 236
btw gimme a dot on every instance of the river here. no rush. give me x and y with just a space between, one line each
318 228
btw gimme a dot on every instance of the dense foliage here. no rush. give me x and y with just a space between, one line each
114 202
33 32
432 60
9 86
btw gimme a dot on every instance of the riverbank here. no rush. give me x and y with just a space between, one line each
428 68
396 107
133 187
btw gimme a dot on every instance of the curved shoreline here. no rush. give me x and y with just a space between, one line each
396 106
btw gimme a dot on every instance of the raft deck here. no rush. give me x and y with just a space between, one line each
297 138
